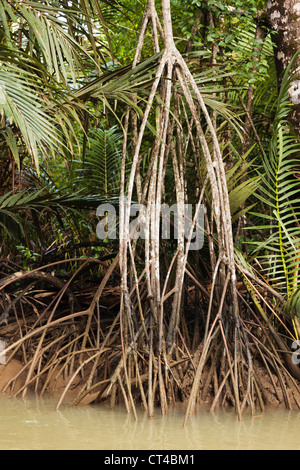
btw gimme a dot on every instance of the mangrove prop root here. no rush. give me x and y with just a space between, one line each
141 354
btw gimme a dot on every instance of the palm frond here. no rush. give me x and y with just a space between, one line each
279 192
24 106
99 173
52 32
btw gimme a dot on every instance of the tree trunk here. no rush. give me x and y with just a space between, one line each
284 16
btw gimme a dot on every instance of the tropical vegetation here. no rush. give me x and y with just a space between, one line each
149 103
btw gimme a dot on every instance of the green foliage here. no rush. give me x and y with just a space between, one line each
45 50
239 188
279 193
27 255
99 170
63 73
22 104
243 51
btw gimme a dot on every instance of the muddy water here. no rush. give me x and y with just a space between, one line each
33 423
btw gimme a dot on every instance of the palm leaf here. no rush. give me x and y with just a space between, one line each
22 104
100 172
279 191
50 30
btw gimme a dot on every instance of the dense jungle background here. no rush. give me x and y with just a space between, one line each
152 103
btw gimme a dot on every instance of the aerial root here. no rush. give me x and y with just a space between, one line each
141 352
81 357
243 375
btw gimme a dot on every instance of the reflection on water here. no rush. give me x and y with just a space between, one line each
33 423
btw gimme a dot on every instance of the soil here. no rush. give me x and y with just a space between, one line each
12 379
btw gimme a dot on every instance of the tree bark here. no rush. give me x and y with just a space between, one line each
284 18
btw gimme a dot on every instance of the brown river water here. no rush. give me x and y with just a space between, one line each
35 424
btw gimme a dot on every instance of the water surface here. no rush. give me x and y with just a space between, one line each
34 423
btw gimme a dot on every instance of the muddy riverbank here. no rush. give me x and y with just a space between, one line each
13 379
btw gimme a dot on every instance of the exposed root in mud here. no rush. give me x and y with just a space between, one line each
84 356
